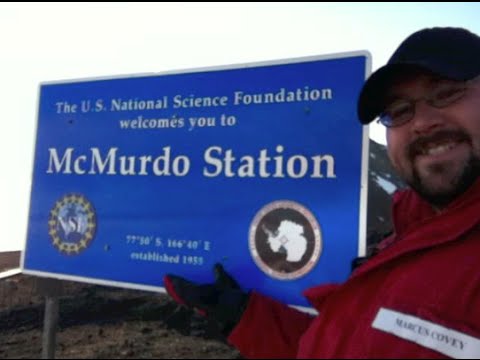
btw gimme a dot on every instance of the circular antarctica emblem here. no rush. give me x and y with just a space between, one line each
72 224
285 240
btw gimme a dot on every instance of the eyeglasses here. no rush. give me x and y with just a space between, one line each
443 94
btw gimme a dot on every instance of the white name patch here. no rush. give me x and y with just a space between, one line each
430 335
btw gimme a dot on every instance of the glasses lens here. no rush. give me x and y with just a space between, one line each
397 113
446 93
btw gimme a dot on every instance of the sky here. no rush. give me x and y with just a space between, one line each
60 41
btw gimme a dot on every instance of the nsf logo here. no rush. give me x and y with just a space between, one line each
72 224
285 240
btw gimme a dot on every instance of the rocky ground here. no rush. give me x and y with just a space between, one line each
104 323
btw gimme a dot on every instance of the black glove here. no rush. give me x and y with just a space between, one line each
222 301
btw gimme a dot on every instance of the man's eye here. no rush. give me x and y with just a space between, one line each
399 110
447 93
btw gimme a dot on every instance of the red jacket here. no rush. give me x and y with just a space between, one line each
419 297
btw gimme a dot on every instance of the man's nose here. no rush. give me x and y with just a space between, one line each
426 117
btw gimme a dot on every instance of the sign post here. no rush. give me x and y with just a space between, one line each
51 289
261 167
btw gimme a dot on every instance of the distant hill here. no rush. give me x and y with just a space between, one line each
382 183
9 260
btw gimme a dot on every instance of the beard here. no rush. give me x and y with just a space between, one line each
441 183
454 187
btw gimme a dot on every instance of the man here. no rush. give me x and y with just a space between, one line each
420 295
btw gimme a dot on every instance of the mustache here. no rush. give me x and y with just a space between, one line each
418 145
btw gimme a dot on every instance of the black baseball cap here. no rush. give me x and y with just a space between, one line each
452 53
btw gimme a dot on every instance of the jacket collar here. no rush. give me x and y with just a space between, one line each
410 210
418 226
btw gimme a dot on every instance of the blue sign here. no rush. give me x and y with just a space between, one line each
260 167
